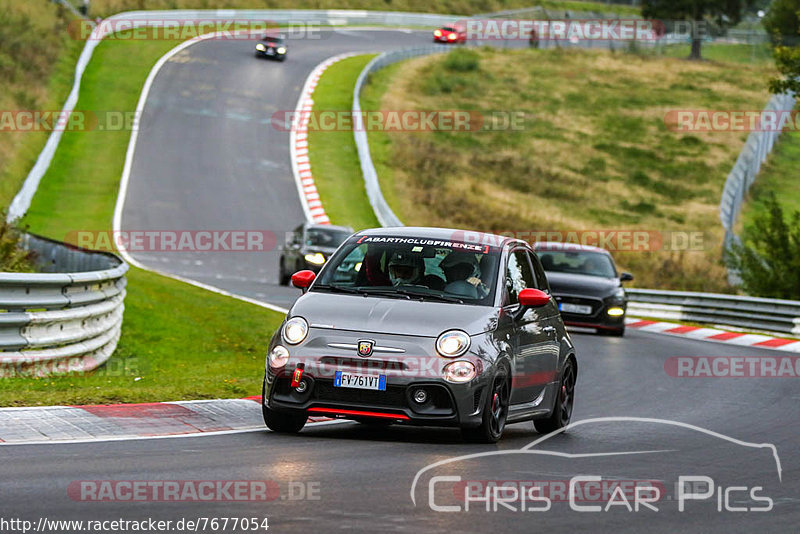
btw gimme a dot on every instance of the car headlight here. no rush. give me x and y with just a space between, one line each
278 356
261 48
282 50
616 311
315 258
452 343
295 330
459 372
619 294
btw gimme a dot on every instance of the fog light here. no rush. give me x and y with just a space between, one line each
278 357
301 387
459 372
420 396
616 312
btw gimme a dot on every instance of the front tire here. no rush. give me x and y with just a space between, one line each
562 411
495 412
282 422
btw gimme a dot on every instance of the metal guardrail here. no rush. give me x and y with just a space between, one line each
383 212
755 151
750 313
67 317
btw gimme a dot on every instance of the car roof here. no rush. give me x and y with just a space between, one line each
443 234
557 245
310 226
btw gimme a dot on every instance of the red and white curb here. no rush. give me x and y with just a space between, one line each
298 144
118 422
761 341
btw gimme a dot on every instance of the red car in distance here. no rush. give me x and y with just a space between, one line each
450 34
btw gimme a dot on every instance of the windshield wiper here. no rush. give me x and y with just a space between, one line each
365 291
386 292
339 289
432 296
423 296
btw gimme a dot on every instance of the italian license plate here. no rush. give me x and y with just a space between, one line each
582 309
343 379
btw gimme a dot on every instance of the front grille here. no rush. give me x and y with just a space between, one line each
393 397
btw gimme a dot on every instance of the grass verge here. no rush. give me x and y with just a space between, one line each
31 80
181 342
594 152
333 155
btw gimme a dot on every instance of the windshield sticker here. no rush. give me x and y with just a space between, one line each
421 242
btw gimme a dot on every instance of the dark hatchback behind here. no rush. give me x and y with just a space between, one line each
587 286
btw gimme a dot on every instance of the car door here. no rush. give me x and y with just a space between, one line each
534 337
551 317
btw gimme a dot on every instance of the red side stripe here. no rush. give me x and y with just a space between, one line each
341 411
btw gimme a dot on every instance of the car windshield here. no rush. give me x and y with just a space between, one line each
273 40
448 29
413 268
318 237
578 262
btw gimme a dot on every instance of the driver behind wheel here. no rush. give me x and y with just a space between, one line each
462 268
406 269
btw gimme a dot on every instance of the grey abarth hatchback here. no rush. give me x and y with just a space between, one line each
423 326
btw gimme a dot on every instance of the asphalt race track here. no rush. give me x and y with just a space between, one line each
207 160
362 476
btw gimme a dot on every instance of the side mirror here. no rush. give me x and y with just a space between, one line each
303 279
625 277
533 298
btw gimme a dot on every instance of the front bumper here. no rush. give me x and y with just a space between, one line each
270 52
599 317
447 404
